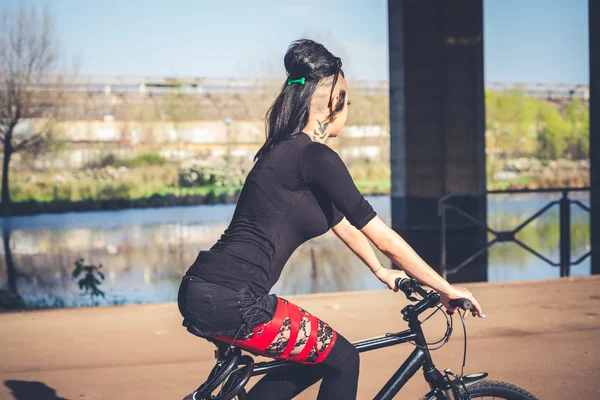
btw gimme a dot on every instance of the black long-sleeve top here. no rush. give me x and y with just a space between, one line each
296 191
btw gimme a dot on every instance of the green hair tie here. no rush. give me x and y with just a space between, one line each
300 81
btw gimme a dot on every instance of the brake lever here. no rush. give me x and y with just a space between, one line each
406 286
408 293
482 316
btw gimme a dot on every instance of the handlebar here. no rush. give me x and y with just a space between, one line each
410 286
465 304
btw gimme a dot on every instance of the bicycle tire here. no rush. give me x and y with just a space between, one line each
496 389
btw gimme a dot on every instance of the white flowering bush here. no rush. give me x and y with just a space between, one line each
211 171
534 165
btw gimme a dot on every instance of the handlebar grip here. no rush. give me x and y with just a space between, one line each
465 304
404 284
398 281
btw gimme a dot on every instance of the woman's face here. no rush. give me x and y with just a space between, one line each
337 124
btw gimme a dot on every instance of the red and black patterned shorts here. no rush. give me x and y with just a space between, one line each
293 334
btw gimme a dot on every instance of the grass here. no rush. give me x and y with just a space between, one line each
521 181
153 182
91 184
194 191
543 180
374 185
366 186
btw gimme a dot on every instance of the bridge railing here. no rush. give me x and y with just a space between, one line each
503 236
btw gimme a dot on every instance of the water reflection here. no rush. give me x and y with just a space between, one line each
144 253
10 296
508 262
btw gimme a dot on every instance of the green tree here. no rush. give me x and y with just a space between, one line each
510 122
578 139
520 125
552 132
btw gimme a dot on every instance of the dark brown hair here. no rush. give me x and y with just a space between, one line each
289 112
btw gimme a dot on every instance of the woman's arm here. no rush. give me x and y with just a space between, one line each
396 249
400 252
325 170
358 243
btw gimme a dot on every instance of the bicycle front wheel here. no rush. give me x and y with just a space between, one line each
497 390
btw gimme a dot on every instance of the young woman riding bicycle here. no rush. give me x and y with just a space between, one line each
298 189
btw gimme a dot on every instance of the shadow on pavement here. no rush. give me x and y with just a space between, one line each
27 390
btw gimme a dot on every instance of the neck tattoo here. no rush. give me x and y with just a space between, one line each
320 134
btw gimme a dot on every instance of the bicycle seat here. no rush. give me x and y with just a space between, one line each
221 346
191 328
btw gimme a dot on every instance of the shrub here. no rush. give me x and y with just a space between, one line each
211 171
103 162
120 190
211 197
87 191
144 160
61 191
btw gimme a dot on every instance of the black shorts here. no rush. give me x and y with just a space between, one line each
218 310
267 325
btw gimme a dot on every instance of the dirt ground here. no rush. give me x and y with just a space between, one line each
540 335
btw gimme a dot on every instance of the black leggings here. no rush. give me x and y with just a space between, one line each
339 372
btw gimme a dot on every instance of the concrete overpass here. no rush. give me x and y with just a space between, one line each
164 85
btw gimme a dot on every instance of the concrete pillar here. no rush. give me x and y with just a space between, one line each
437 123
594 21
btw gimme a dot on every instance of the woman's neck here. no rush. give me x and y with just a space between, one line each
317 129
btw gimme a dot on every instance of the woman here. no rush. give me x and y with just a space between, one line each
298 189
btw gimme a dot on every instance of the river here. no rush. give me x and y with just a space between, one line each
145 252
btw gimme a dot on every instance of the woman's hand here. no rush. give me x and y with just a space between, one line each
389 276
460 293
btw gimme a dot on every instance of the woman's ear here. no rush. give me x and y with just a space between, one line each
337 106
335 103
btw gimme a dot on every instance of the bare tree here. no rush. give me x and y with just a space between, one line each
28 57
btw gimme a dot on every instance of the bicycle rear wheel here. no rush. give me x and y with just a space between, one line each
488 390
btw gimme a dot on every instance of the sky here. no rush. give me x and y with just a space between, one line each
528 41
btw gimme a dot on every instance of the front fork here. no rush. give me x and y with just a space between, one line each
441 385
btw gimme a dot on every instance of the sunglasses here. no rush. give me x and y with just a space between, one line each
335 78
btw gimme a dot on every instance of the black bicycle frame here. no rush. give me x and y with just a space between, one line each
419 358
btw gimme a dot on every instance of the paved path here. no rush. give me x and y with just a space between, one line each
540 335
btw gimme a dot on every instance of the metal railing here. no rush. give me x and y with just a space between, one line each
502 236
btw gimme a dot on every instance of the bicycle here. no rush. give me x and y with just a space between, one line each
233 370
